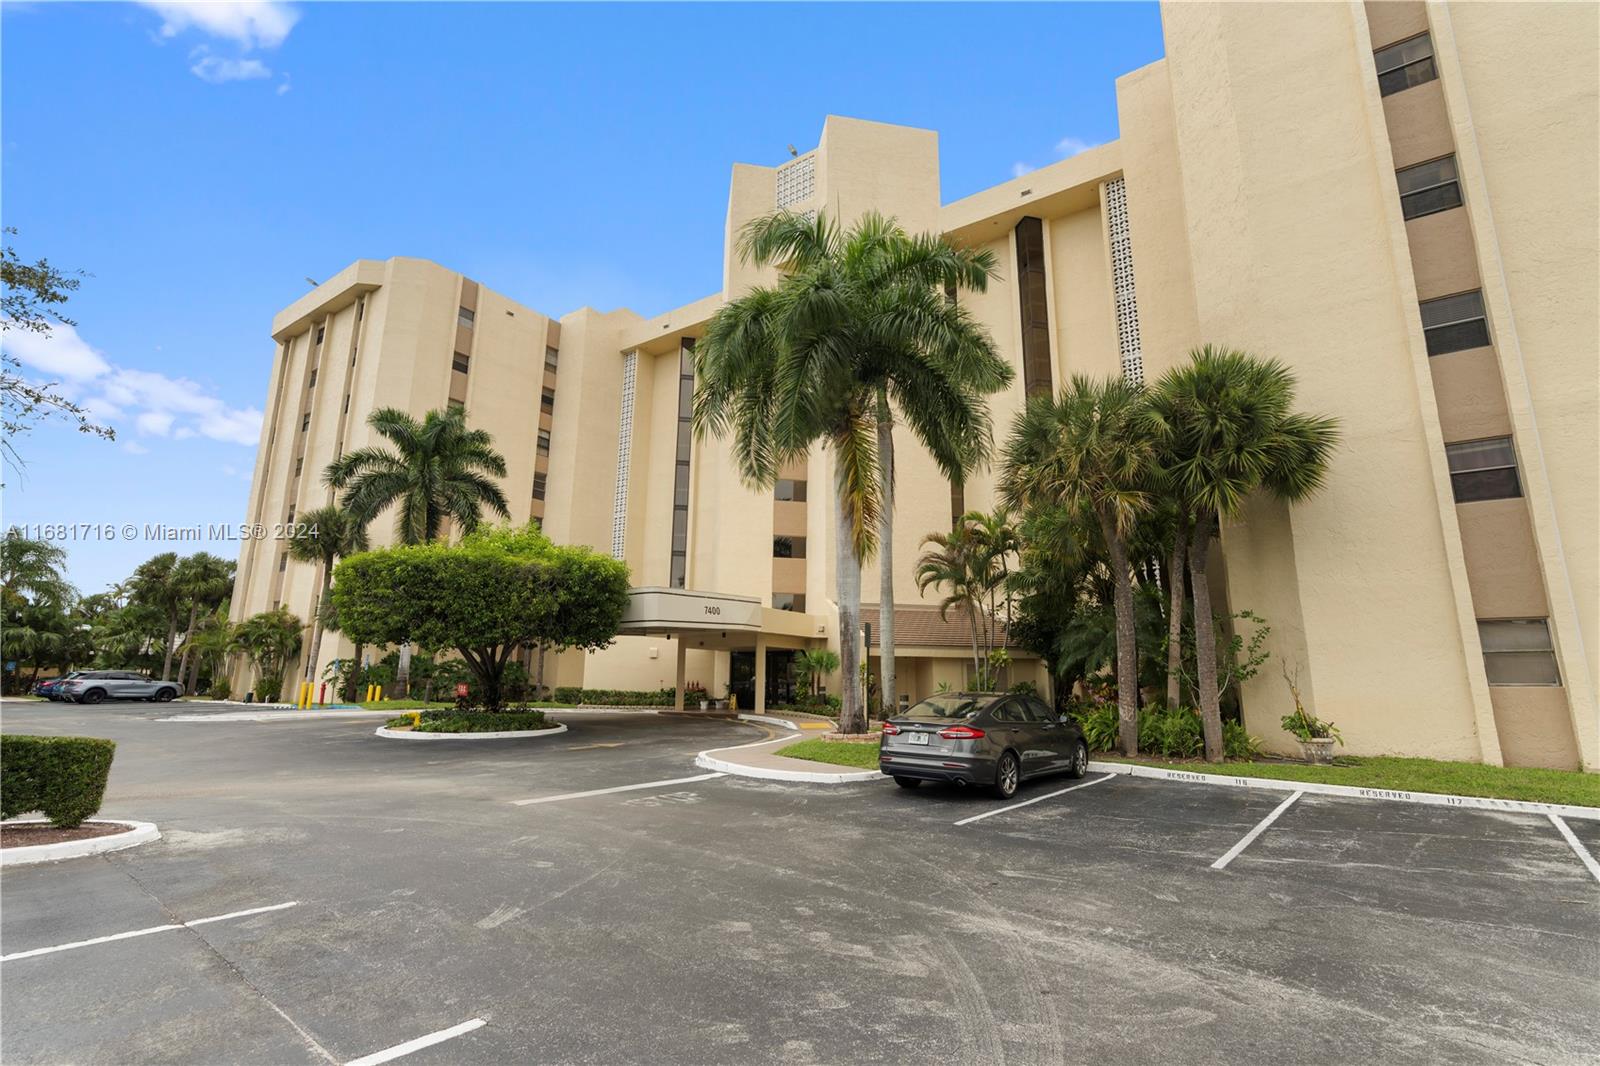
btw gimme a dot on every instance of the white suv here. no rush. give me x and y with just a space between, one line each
93 686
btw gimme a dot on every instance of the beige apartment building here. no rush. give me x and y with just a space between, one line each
1399 200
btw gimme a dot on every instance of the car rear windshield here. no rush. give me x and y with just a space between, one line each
948 707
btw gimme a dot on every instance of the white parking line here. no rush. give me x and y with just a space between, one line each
388 1054
619 788
1036 799
1577 846
1261 826
145 932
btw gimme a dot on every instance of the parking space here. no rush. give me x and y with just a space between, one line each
643 911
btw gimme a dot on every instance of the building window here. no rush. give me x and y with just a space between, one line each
678 571
361 309
1429 187
788 547
544 442
458 405
551 357
347 403
547 401
460 363
1400 66
789 489
465 316
1483 470
321 331
539 485
1455 323
305 422
283 562
311 382
1517 651
299 464
1035 314
789 601
288 519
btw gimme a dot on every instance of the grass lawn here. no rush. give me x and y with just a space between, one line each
405 705
1413 775
838 752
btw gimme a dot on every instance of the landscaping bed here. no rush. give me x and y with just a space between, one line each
858 754
30 834
1530 784
454 721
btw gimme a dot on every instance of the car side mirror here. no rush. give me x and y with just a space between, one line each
1065 719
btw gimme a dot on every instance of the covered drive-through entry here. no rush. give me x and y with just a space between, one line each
710 621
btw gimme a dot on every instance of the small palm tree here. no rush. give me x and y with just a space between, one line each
954 562
813 666
438 469
1227 431
331 534
1091 449
857 322
270 639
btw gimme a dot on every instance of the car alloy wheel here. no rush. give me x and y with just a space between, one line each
1007 775
94 695
166 695
1080 759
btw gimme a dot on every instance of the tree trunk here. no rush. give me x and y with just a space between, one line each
193 681
538 685
402 674
851 718
1205 641
1175 598
1127 652
355 675
887 679
188 635
172 638
977 653
316 622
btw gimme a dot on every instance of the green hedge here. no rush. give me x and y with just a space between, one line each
64 778
449 721
614 697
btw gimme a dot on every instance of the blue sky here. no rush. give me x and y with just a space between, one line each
202 161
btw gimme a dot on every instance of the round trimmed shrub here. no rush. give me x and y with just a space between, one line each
63 778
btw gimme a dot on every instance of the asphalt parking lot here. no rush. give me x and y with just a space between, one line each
724 920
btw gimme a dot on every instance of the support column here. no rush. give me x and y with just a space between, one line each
760 702
677 694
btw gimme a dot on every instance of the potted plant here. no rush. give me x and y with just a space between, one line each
1316 737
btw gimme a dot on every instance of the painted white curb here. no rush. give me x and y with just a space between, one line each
507 734
275 716
1432 799
141 833
767 719
708 760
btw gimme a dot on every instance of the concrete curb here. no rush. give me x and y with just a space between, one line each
507 734
1432 799
708 760
142 833
767 719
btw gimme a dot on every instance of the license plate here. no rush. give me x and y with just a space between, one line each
917 738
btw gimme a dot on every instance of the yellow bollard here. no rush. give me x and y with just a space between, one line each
306 700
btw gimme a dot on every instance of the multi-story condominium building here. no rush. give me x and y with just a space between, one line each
1398 200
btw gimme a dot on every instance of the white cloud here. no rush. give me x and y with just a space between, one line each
1019 169
133 447
157 405
248 23
1065 148
217 70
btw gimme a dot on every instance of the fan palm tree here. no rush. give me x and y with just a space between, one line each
332 533
813 666
1090 449
1227 431
856 328
204 580
438 469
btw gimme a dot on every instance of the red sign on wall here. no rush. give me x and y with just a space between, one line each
461 688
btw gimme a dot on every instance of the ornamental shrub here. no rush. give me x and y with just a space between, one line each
64 778
441 721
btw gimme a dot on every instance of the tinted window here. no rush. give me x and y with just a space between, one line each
1455 323
1038 710
1518 652
1400 66
948 706
1010 711
1428 187
1483 470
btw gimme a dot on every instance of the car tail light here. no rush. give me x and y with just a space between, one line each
961 732
890 729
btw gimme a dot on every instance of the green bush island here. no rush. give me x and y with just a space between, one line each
64 778
1168 734
621 697
452 721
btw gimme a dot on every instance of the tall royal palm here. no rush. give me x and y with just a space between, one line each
1227 431
1091 450
331 533
438 469
857 328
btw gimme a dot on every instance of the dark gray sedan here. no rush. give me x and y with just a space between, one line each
981 738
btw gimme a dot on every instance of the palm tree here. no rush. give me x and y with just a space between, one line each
1091 449
204 580
270 639
156 583
210 643
813 666
954 561
31 569
438 469
857 327
1226 431
332 533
